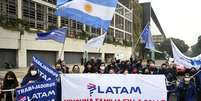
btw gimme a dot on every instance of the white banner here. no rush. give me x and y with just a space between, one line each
180 58
113 87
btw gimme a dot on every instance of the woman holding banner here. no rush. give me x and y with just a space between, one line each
10 83
31 76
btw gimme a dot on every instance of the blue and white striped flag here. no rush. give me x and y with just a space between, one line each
180 58
96 42
58 35
146 38
96 13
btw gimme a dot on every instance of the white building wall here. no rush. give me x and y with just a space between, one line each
10 40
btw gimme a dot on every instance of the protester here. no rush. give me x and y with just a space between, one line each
187 90
76 69
198 84
125 71
152 68
139 64
163 69
10 82
101 68
111 71
89 68
31 76
66 68
59 68
146 71
134 70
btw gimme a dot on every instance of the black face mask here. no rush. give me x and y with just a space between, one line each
10 82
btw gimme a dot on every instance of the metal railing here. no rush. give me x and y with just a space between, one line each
5 92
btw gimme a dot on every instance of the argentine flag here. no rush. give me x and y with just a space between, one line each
96 13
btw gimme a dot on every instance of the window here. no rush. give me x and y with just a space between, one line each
128 26
128 14
119 22
8 8
128 37
28 12
120 9
119 35
52 19
65 22
96 31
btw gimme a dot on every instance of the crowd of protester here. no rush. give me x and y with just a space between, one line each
186 88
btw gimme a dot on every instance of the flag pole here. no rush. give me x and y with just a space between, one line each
196 74
136 44
62 49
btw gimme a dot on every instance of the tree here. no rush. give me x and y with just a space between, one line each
196 49
166 46
137 9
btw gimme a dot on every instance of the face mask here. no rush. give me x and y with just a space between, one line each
33 72
102 67
111 72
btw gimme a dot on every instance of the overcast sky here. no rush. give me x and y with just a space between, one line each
179 18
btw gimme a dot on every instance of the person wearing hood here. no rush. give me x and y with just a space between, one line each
186 90
31 76
89 68
10 82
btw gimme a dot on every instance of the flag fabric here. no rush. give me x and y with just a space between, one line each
46 71
147 38
58 35
181 59
96 13
96 42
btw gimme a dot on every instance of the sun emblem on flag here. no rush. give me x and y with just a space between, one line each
88 8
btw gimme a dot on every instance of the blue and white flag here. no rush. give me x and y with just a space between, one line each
96 42
96 13
58 35
146 38
181 59
45 71
38 91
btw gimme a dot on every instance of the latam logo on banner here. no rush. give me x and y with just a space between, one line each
109 87
40 91
113 89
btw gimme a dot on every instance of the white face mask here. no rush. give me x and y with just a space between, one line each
33 72
102 67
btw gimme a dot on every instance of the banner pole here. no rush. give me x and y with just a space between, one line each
196 74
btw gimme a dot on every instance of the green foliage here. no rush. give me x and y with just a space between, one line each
196 49
166 46
127 43
13 24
